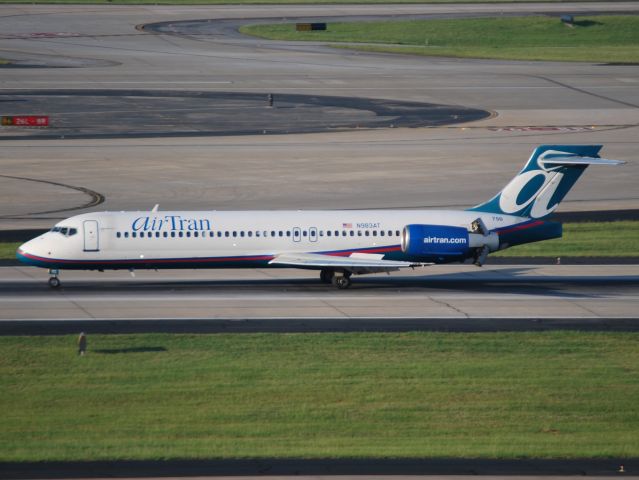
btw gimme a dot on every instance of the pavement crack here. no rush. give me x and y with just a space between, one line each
452 307
586 92
79 306
337 309
579 305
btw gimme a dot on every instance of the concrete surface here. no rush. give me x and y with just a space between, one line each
453 291
533 102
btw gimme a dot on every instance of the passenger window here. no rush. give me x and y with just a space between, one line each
196 234
141 234
288 233
281 233
272 233
359 233
172 234
366 233
226 234
249 233
374 233
219 234
381 233
242 234
211 234
165 234
304 233
188 234
352 233
257 233
321 233
118 234
397 233
234 233
134 235
126 234
390 233
181 234
328 233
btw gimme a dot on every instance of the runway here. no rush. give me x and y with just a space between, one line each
284 296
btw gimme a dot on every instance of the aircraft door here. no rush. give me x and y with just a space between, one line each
91 236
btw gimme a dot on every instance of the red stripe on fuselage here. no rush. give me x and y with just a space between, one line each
521 226
142 261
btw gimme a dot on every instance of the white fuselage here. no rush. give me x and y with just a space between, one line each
212 239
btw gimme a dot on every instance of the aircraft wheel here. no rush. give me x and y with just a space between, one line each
54 282
342 282
326 276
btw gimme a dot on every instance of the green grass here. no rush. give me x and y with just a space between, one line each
154 396
588 239
8 250
593 39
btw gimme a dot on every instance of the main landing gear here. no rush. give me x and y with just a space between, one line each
54 281
341 280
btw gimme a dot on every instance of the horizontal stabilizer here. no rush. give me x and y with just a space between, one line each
573 160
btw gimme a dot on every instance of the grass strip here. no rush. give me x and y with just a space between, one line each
601 38
411 395
587 239
8 250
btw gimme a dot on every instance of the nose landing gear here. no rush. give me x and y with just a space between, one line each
54 281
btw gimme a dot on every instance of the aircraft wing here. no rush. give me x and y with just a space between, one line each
355 263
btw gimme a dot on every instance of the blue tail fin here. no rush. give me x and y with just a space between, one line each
545 180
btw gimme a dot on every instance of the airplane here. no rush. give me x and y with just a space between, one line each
338 243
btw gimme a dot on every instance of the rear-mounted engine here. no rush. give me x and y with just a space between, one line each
435 241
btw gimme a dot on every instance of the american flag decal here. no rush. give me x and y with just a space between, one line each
347 225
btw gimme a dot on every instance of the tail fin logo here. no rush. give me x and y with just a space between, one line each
542 184
534 187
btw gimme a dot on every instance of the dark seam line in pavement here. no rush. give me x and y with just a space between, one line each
212 326
317 466
586 92
96 198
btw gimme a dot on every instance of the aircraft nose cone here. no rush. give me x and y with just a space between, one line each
22 253
30 252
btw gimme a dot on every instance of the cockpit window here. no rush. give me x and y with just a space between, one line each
66 231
